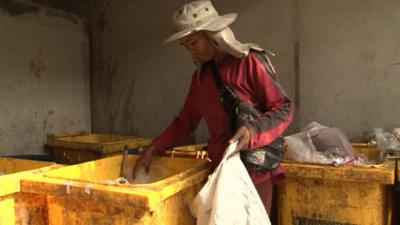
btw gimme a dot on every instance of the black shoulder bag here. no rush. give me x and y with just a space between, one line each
266 158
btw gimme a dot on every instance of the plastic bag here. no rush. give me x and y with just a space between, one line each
396 133
301 149
329 140
229 196
387 143
319 144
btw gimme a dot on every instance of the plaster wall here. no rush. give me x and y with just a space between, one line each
350 64
338 60
44 80
139 84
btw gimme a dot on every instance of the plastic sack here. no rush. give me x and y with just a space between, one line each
319 144
301 149
396 133
385 141
329 140
229 196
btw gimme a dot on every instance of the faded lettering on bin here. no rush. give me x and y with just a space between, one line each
301 220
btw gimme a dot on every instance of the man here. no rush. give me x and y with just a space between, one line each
243 67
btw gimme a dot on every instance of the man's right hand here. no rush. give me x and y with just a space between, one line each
144 160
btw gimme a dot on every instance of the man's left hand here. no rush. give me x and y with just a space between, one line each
243 137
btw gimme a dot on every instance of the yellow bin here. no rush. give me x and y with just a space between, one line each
73 149
344 195
398 170
16 207
84 194
396 205
198 151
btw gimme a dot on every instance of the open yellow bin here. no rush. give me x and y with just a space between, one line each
344 195
83 194
74 149
16 207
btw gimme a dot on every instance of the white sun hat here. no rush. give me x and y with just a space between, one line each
196 16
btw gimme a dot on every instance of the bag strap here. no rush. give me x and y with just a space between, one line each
217 78
226 94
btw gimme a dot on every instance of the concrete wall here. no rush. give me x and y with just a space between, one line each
44 85
350 64
339 60
139 84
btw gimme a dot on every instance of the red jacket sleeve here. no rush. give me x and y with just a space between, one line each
183 125
272 101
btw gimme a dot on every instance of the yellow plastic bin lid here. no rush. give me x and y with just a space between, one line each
94 180
17 207
13 170
103 143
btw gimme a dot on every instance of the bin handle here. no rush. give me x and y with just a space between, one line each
124 161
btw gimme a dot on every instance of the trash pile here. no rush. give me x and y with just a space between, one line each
387 143
322 144
327 145
142 177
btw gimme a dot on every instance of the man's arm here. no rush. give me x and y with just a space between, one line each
183 125
277 109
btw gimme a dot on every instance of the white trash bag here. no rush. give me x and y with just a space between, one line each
229 197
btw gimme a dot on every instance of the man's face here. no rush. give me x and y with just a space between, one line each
199 46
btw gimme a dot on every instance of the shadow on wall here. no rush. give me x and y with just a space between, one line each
16 7
73 10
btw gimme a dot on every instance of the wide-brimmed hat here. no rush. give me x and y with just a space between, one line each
196 16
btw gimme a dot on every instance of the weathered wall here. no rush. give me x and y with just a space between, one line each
139 84
350 64
345 72
44 85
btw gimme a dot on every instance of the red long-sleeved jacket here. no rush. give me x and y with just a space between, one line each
254 83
